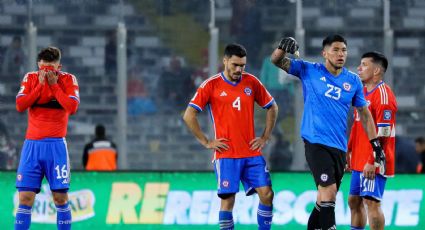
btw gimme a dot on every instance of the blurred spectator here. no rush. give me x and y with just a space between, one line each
8 153
100 154
176 85
14 58
111 54
406 158
420 149
138 100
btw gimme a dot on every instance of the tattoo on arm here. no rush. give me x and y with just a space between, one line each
285 63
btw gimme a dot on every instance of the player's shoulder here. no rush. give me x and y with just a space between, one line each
250 77
386 95
30 75
211 80
350 74
66 74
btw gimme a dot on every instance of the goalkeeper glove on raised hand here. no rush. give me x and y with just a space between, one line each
289 45
379 155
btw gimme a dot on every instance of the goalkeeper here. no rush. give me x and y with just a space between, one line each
368 178
329 90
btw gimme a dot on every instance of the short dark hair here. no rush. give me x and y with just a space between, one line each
333 38
377 58
100 130
49 54
420 140
234 49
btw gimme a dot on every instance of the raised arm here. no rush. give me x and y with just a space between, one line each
278 58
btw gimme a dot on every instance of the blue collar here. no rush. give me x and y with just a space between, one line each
229 82
328 73
380 83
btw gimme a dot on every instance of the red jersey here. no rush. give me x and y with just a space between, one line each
49 105
231 107
383 107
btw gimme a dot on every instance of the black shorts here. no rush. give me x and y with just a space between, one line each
327 164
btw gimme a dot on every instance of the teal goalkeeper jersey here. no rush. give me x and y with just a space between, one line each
327 100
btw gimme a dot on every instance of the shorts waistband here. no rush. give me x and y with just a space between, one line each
49 139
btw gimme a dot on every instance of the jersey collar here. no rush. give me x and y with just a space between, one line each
367 93
229 82
344 70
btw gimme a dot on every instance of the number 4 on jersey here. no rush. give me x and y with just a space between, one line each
237 103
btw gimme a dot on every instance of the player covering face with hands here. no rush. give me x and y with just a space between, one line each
50 96
329 90
230 96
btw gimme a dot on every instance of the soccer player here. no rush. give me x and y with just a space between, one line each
50 96
230 97
329 90
368 180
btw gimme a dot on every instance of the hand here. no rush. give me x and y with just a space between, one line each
41 76
369 171
289 45
348 163
379 155
257 143
217 144
52 78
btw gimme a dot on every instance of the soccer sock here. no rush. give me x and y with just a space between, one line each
327 215
23 217
314 219
356 228
64 218
226 220
264 217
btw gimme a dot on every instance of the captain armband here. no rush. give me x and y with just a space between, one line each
384 130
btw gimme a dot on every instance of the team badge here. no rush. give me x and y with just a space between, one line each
347 86
225 183
19 177
387 115
248 91
324 177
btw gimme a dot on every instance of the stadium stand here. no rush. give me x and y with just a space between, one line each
160 141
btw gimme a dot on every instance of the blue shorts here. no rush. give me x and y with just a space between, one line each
47 157
361 186
252 171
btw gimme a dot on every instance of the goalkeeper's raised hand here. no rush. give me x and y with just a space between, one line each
289 45
379 155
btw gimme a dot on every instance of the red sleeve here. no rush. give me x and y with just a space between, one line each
262 96
67 95
27 94
202 96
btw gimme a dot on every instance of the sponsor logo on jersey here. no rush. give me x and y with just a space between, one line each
65 181
223 94
347 86
225 183
324 177
248 91
323 79
387 115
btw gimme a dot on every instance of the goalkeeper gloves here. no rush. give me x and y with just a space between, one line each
289 45
379 155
